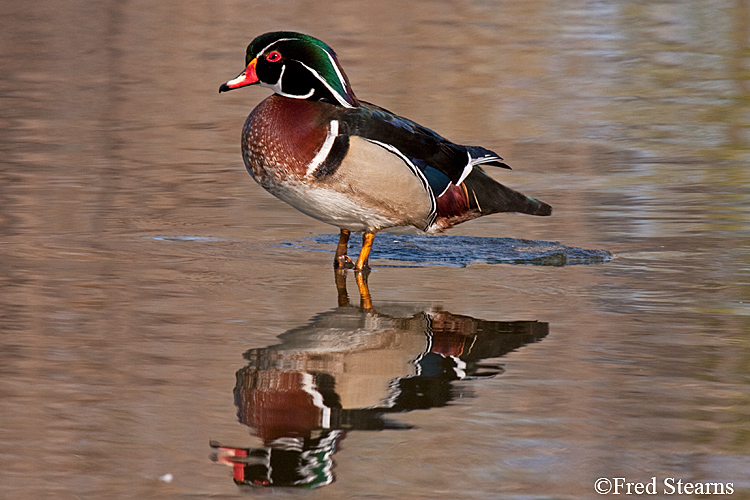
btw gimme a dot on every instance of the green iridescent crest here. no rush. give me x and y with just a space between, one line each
316 56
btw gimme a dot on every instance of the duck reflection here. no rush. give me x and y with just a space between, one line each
346 370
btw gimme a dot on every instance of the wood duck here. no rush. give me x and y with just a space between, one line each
350 163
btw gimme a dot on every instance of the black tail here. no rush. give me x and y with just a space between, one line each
489 196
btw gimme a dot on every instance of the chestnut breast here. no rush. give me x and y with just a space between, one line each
281 137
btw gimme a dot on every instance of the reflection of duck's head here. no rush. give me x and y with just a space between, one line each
285 462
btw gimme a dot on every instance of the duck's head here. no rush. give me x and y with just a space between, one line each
295 65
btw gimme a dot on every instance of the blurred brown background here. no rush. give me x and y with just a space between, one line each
139 260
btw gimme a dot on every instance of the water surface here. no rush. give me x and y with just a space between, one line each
140 263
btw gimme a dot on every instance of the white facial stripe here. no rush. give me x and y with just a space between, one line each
335 94
325 149
274 43
276 87
295 96
336 69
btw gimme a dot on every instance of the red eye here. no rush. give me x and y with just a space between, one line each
273 57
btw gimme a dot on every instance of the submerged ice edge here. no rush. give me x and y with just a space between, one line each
461 251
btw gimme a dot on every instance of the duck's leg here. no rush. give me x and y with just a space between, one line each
364 254
342 261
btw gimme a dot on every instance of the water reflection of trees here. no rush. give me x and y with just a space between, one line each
346 370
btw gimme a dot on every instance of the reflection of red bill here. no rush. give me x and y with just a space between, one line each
235 458
227 455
